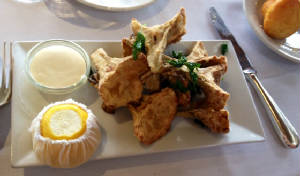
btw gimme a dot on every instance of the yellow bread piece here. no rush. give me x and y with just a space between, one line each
266 6
281 18
67 121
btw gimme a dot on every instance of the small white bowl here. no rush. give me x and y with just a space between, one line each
63 90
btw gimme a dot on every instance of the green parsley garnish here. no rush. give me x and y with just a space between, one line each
138 45
179 86
224 49
177 55
179 62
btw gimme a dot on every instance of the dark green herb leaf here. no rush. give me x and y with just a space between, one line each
140 37
174 55
193 87
191 65
174 63
135 53
224 49
194 77
179 86
138 45
181 60
179 55
178 63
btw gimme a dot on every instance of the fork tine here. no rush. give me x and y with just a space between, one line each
7 74
5 93
2 67
5 65
8 66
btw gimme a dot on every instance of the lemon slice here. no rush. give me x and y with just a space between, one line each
64 121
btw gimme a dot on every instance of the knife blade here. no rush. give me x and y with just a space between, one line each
284 129
226 34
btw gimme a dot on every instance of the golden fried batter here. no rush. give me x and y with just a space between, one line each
159 36
151 81
152 119
127 47
208 80
216 120
125 82
208 109
198 52
119 79
209 76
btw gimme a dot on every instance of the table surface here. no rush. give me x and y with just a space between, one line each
68 19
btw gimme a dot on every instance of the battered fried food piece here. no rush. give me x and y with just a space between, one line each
216 120
152 119
119 79
209 76
208 80
184 99
281 17
198 52
127 47
151 82
159 36
155 89
208 108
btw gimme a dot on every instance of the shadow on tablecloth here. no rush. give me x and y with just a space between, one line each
143 165
5 121
81 15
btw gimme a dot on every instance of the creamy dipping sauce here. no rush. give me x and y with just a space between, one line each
57 66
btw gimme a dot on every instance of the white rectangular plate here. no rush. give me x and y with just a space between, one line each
117 130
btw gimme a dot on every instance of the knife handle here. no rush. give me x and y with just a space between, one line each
281 124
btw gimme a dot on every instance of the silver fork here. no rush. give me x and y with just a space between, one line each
5 73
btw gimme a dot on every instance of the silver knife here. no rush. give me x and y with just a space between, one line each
281 124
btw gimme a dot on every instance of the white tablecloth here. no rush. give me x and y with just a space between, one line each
71 20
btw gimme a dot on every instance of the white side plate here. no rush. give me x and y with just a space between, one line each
117 129
289 48
117 5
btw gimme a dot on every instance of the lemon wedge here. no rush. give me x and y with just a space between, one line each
64 121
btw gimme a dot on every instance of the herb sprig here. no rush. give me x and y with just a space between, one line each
138 45
224 49
179 62
179 86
